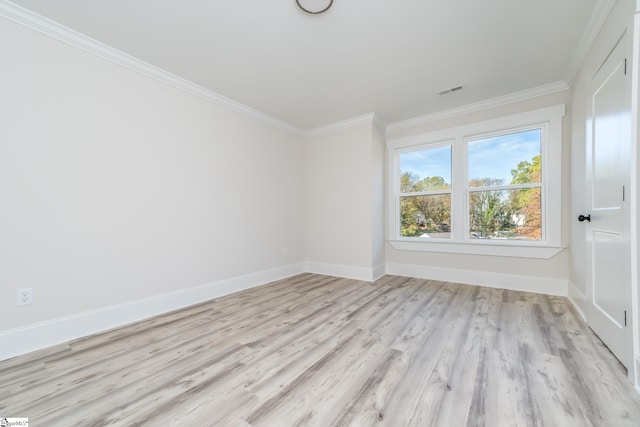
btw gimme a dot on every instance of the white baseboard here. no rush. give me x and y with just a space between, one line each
346 271
40 335
379 271
578 299
539 285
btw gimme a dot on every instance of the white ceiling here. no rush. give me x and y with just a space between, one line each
384 56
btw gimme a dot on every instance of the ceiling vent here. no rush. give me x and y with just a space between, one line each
450 90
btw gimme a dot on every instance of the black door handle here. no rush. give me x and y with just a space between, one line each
582 218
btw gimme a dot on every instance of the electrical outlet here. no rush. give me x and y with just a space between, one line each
24 296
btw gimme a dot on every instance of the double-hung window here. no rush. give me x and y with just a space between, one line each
490 187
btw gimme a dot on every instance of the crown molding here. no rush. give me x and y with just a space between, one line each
381 124
523 95
34 21
344 124
591 31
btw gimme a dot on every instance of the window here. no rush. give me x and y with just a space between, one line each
425 192
505 186
491 187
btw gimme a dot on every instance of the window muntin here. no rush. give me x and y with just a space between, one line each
505 185
425 192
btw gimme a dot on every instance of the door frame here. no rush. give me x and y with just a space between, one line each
634 370
621 45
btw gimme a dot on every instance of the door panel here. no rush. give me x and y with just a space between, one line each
608 117
608 231
608 267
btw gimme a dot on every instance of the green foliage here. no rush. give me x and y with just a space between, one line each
422 214
501 213
488 210
526 202
492 213
527 172
410 183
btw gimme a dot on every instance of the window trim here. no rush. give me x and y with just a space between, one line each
550 120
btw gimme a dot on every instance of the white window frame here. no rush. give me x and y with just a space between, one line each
549 120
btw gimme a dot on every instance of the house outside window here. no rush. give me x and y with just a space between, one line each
490 187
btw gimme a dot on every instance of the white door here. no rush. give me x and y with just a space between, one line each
608 148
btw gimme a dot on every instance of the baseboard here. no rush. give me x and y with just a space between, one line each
539 285
346 271
56 331
578 299
379 271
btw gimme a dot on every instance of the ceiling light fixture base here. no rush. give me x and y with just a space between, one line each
317 12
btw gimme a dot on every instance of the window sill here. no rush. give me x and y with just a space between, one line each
510 249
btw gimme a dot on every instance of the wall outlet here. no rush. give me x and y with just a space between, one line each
24 296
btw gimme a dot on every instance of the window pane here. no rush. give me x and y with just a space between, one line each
426 216
506 159
505 214
425 170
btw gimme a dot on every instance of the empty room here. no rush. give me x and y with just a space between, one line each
319 213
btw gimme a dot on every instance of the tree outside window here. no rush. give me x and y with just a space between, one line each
499 207
425 193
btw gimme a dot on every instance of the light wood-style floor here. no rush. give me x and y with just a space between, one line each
322 351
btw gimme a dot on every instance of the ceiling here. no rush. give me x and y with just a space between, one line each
390 57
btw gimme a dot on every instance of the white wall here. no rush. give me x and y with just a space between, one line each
344 187
542 275
115 187
378 197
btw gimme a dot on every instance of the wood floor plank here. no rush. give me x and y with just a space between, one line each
303 334
407 405
549 383
368 405
500 395
424 324
316 350
344 382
